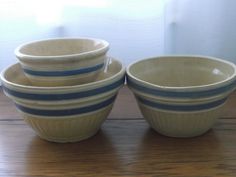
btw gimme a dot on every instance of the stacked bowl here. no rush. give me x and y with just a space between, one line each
181 96
64 88
63 61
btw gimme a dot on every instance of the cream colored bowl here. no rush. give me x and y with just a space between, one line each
68 113
181 96
62 61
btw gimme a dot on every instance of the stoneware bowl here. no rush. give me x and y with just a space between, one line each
181 96
62 61
68 113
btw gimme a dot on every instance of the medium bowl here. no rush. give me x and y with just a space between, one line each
68 113
62 61
181 96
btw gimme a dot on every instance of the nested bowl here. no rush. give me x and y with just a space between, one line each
181 96
62 61
66 113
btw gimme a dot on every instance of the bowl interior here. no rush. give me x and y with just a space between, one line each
15 75
181 71
60 47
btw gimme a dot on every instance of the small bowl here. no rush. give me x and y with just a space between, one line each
181 96
66 113
62 61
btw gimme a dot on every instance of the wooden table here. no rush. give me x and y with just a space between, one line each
125 146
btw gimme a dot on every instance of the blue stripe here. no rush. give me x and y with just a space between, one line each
67 96
64 73
186 108
67 112
181 94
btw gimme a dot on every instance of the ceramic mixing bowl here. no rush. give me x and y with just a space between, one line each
62 61
181 96
66 113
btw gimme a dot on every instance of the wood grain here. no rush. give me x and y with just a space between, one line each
125 146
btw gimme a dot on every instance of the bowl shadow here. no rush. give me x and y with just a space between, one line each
94 156
179 156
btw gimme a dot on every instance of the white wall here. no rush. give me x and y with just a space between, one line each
205 27
135 29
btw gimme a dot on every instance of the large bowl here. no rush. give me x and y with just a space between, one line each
181 96
64 114
62 61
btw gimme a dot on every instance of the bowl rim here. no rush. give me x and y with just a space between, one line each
229 80
28 57
93 84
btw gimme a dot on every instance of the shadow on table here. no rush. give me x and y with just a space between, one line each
95 156
179 156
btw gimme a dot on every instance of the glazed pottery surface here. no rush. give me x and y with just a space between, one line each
62 61
64 113
181 96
